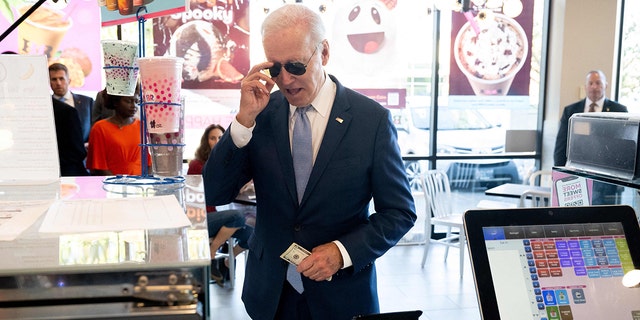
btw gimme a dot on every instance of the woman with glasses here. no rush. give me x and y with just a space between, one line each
114 142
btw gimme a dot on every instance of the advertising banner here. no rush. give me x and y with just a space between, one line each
69 35
570 190
115 12
491 55
212 37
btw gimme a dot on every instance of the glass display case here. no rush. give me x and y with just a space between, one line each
148 273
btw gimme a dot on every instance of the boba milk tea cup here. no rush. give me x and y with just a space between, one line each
161 78
120 66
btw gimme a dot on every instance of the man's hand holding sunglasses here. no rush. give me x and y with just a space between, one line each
255 90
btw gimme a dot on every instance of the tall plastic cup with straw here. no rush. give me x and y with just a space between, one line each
161 78
120 66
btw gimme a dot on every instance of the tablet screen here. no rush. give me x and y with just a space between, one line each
558 270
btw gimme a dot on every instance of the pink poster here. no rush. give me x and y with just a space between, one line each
116 12
212 37
570 190
491 50
70 36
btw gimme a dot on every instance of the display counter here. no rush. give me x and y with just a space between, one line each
132 274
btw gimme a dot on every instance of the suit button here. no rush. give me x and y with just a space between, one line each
297 228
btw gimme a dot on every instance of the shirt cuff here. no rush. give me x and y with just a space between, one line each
346 259
240 134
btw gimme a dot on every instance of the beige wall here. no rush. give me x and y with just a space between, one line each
583 36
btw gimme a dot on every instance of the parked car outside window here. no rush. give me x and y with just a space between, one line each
460 131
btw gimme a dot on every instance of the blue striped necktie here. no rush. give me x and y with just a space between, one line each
302 150
302 164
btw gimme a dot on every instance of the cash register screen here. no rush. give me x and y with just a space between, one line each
556 270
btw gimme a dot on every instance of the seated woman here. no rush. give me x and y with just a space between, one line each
210 137
222 225
114 142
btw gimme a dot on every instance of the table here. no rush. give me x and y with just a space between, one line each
514 190
247 198
129 274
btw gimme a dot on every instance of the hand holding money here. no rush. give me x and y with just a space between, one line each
295 254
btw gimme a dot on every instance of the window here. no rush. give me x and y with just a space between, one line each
630 57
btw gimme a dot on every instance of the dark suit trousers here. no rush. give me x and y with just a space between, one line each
292 305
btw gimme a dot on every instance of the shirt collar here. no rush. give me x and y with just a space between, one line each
67 97
599 102
323 101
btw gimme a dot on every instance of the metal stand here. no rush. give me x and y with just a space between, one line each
145 184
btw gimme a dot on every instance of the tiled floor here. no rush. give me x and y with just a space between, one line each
437 289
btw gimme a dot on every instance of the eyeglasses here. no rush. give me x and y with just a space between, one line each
295 68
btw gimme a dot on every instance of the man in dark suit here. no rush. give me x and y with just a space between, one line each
595 86
355 157
71 150
59 80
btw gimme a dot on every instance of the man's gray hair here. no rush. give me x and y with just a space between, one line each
602 76
294 15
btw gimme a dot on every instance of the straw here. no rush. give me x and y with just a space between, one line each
472 21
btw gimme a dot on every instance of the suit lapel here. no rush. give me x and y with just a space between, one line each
339 120
606 106
280 127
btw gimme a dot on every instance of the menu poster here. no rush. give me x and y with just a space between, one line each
116 12
28 145
69 35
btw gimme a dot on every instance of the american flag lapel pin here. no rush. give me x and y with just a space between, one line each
339 120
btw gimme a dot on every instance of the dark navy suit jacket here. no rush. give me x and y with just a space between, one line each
560 151
71 150
358 158
83 105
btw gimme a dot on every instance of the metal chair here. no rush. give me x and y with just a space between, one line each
439 212
544 177
463 175
534 198
231 242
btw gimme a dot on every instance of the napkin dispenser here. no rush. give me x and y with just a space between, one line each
605 143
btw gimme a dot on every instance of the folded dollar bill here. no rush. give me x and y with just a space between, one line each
295 254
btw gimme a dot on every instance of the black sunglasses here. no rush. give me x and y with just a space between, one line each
294 68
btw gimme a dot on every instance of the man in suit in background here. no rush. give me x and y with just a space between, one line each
352 148
71 150
595 86
59 80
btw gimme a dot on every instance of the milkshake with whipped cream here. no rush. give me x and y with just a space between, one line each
491 55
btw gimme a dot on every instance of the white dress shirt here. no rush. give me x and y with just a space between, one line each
598 107
68 98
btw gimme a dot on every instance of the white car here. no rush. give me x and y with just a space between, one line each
460 131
